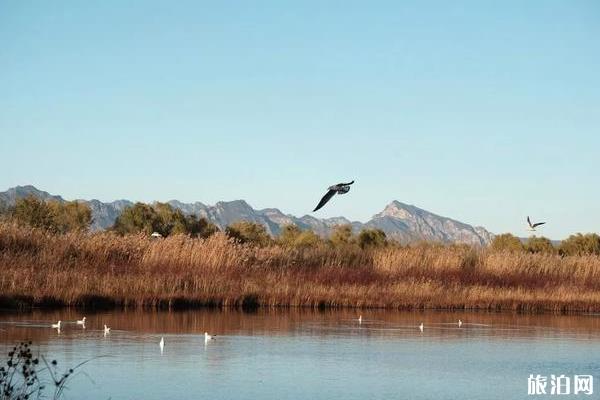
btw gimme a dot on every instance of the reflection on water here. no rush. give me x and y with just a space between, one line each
298 354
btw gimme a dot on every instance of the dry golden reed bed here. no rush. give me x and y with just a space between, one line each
39 268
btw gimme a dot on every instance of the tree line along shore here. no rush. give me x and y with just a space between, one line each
48 257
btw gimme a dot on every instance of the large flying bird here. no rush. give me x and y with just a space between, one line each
340 188
532 226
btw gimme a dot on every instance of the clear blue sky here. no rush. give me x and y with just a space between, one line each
482 111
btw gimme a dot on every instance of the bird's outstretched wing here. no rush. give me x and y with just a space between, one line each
538 224
325 199
529 222
345 184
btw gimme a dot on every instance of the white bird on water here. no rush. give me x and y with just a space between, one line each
81 321
421 327
360 319
57 325
208 338
161 344
106 330
459 323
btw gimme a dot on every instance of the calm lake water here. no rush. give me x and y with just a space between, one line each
311 355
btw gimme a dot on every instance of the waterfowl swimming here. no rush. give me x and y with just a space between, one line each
106 329
421 327
81 321
57 325
459 323
532 226
340 188
360 319
161 344
208 338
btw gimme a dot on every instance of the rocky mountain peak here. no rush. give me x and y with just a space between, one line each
397 209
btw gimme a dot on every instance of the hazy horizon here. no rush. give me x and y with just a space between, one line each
484 113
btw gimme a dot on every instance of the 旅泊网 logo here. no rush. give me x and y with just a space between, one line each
560 385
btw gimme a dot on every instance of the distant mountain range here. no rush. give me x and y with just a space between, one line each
403 222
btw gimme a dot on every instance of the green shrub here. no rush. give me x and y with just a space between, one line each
539 245
506 242
55 216
289 234
161 218
70 216
577 245
138 218
249 232
4 209
293 236
307 239
342 235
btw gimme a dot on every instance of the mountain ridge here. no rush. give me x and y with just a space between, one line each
403 222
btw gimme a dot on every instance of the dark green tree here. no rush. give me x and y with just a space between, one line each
202 227
368 238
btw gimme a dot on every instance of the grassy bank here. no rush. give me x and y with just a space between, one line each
39 268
